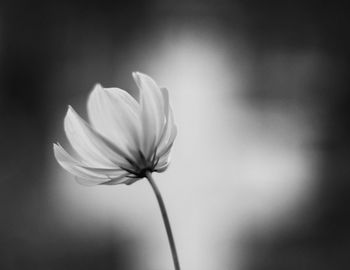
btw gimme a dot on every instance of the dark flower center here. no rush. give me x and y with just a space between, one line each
142 164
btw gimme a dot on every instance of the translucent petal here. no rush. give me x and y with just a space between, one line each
88 182
90 145
152 111
169 134
162 168
131 180
115 114
120 180
77 168
164 157
166 105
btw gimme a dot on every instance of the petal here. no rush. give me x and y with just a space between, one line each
164 157
166 106
131 180
115 181
152 111
115 114
167 139
162 168
78 169
120 180
90 145
168 136
165 95
87 175
69 163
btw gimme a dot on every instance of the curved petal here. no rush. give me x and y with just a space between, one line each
119 180
166 106
162 168
167 139
122 180
131 180
115 114
115 181
164 157
91 146
152 111
169 134
167 111
77 168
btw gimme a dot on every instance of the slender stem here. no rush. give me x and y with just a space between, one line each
165 219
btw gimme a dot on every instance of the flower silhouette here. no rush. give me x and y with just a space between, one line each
125 139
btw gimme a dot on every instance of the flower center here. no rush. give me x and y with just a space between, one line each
142 165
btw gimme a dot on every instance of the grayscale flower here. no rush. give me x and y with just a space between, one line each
124 140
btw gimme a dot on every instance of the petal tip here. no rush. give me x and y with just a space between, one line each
69 112
140 75
69 108
135 75
97 86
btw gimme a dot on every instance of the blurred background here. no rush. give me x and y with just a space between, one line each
259 176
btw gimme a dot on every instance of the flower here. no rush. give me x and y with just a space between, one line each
124 140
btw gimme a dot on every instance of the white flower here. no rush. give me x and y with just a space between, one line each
124 139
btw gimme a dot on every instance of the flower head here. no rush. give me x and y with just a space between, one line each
124 139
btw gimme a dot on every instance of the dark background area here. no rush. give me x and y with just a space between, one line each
43 46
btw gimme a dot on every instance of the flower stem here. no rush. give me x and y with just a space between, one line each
165 220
